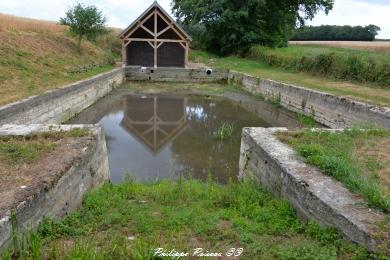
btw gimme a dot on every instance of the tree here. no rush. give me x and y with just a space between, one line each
84 22
233 26
336 33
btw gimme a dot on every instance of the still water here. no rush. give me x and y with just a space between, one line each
159 136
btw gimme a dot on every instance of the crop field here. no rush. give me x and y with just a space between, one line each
372 46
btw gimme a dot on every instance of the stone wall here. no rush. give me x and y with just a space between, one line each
315 196
57 106
65 195
330 110
176 74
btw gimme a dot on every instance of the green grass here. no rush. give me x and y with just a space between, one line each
339 63
225 131
16 150
363 92
335 155
131 220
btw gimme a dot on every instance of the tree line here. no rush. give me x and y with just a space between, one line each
336 33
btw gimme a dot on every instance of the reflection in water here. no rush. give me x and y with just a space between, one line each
154 121
164 136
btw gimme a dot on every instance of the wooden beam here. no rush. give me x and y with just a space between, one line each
147 30
151 44
129 41
164 30
155 38
150 39
138 25
183 45
161 43
173 27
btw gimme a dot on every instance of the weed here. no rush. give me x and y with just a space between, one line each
275 100
306 121
225 131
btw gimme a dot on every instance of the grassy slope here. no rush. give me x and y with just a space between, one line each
34 62
366 93
359 159
131 220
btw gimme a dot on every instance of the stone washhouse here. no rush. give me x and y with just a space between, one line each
154 39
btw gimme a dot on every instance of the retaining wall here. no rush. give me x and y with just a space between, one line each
65 195
330 110
59 105
315 196
176 74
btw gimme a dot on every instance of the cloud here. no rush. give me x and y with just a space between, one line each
122 12
358 12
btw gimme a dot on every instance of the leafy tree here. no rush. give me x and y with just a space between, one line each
232 26
84 21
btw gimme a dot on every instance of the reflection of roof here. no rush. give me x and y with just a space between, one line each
154 120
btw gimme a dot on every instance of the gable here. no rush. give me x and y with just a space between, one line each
144 25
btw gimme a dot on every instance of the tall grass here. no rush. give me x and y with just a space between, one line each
344 64
225 131
15 23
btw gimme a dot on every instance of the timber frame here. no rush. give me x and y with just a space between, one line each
155 28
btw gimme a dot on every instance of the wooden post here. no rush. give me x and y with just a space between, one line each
186 55
155 38
124 56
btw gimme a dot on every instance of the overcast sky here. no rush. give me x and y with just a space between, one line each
122 12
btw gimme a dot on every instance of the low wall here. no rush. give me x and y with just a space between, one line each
65 195
330 110
315 196
176 74
57 106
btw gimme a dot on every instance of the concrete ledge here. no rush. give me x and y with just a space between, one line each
176 75
330 110
63 194
315 196
57 106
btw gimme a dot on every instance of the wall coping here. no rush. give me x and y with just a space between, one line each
313 194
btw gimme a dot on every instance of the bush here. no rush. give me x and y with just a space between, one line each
361 66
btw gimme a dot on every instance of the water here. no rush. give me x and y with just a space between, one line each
159 136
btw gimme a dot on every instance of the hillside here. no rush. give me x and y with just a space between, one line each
36 56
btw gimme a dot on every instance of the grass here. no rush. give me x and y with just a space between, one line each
357 158
225 131
132 220
36 56
16 150
361 92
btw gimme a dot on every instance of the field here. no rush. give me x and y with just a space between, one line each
383 46
36 56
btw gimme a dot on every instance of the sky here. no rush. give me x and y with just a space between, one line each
122 12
